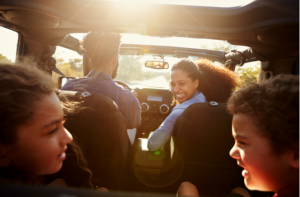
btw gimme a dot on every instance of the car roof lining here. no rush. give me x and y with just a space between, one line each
239 26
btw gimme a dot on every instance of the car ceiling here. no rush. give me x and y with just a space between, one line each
270 27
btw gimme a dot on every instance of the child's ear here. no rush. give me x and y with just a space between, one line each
196 83
4 159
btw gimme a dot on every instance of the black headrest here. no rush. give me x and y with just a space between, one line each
203 132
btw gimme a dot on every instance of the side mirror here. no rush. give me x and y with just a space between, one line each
63 80
157 64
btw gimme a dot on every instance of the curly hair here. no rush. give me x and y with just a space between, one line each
273 106
101 47
216 82
20 89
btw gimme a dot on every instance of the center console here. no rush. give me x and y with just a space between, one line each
156 168
155 107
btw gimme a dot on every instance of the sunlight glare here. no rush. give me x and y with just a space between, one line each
205 3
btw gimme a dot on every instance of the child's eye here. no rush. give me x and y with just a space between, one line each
181 84
53 131
240 142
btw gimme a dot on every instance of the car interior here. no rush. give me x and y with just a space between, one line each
269 29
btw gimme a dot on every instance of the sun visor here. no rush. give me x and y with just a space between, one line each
72 43
37 54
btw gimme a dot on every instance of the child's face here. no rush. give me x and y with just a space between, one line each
41 144
263 169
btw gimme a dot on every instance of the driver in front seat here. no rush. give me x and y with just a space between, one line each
102 49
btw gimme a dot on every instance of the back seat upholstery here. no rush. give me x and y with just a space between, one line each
202 136
100 130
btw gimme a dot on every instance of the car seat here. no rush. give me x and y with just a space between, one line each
202 136
100 130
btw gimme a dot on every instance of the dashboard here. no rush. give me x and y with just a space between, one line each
155 107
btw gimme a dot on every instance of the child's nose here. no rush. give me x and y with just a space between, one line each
234 153
67 137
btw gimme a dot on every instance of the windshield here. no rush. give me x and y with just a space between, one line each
133 72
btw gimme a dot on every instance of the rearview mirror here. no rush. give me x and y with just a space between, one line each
157 64
63 80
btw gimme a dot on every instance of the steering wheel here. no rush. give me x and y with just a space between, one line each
123 84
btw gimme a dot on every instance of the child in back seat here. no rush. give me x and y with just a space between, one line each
266 130
33 140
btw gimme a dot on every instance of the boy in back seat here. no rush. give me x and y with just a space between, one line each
266 130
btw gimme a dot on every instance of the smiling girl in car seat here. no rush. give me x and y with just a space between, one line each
33 140
193 83
266 131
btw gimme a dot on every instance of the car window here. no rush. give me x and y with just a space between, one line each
8 45
69 62
249 72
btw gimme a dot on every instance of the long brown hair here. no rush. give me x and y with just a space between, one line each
21 87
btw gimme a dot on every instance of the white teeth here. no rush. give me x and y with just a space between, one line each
179 95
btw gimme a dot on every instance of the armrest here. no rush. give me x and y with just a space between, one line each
144 158
156 168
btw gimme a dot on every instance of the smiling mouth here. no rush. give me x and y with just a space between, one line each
179 96
244 172
61 156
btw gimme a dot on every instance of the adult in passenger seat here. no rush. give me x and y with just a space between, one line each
103 51
193 82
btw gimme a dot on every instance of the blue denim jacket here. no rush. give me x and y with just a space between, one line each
97 82
164 132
